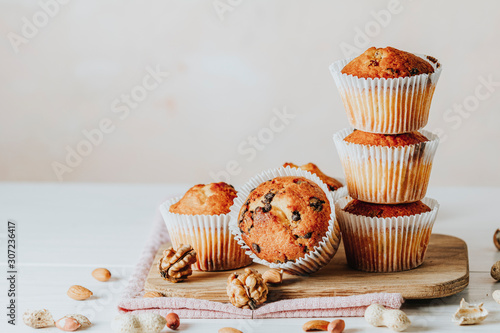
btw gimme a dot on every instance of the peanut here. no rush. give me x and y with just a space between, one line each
38 318
68 324
336 326
229 330
173 321
101 274
315 325
377 315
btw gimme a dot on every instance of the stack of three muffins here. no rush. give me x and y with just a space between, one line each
387 158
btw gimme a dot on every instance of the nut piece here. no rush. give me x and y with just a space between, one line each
84 321
496 296
175 266
173 321
496 239
378 315
247 290
336 326
38 318
152 294
143 322
79 293
469 314
101 274
273 276
229 330
315 325
68 324
495 271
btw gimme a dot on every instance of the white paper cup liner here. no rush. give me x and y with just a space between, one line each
210 237
390 106
391 175
385 244
315 259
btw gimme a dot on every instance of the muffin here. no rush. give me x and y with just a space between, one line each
367 209
387 63
385 238
285 219
200 218
385 90
211 199
332 183
386 169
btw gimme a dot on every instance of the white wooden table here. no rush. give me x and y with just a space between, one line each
64 231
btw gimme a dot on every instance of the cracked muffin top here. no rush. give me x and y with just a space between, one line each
284 218
357 207
332 183
387 63
386 140
210 199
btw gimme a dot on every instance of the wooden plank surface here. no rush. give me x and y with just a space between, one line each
445 272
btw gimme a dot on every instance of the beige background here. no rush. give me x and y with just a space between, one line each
230 64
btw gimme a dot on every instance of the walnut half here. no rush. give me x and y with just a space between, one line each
247 290
175 265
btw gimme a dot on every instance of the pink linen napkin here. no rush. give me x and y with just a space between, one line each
132 300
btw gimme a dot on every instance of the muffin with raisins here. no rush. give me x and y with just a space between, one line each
284 218
386 90
200 218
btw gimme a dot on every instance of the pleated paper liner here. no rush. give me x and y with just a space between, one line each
314 259
381 174
385 244
210 237
389 106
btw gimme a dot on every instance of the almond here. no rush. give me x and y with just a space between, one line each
229 330
79 293
273 276
315 325
152 294
101 274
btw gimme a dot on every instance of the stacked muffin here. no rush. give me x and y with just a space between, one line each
387 158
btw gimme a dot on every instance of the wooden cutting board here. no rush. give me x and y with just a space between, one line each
444 272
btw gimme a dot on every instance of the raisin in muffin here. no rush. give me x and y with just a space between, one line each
385 238
387 63
385 90
386 169
358 207
210 199
332 183
200 218
284 218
